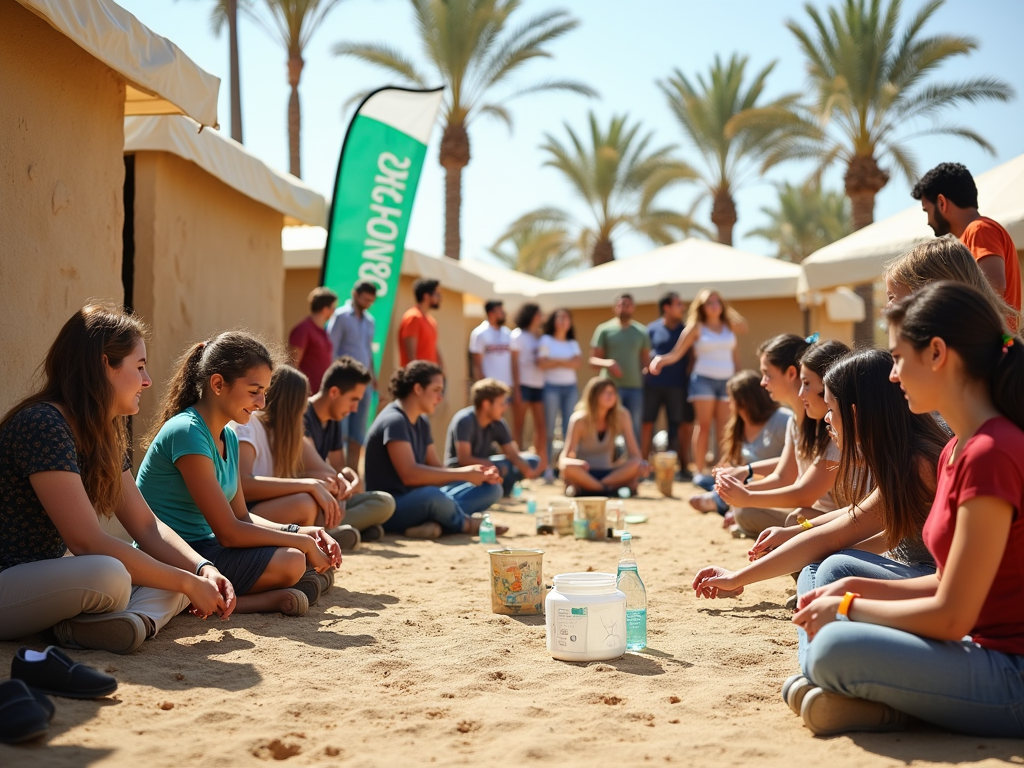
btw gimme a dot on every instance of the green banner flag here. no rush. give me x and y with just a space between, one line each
379 169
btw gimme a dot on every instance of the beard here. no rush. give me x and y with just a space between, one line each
941 225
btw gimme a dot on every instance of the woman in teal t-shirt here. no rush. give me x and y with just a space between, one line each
190 478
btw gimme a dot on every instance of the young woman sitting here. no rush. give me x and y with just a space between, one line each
947 648
807 470
880 534
190 478
588 461
64 463
430 499
285 480
756 431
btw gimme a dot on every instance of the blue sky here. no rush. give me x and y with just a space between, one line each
621 48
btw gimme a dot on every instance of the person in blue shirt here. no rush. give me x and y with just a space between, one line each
670 389
190 478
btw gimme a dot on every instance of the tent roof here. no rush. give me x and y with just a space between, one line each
861 256
507 282
303 248
685 267
161 79
227 160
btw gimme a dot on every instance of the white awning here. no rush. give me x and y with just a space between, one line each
507 282
861 256
303 248
227 160
685 267
161 79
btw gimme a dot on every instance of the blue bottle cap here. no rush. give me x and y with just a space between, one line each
627 536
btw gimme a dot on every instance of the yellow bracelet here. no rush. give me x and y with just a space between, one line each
845 603
804 522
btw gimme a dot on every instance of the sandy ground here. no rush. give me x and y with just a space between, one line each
404 663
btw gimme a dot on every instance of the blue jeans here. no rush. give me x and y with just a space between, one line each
707 482
956 685
851 562
632 399
509 472
558 397
449 506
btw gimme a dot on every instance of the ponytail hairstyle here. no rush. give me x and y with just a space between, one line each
967 322
944 258
818 358
882 440
748 395
231 354
403 381
75 377
282 417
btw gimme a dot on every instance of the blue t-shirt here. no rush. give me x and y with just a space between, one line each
162 485
663 340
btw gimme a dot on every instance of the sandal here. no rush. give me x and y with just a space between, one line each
300 603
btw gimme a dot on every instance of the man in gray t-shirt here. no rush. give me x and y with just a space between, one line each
475 430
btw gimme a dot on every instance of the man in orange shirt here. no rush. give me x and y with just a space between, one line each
949 196
417 333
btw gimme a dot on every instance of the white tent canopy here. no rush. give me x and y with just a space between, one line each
507 282
303 248
227 160
161 79
685 267
861 256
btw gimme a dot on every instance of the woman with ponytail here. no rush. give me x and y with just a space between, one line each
64 463
190 478
947 648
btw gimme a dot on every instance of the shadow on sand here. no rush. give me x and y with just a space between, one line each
925 744
762 610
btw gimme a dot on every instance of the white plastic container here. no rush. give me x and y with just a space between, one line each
585 617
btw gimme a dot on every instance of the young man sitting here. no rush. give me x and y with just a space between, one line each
474 430
342 387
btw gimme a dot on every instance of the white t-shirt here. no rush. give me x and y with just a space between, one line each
713 352
495 345
553 349
526 344
803 463
255 434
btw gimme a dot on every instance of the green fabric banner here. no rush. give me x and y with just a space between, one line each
379 169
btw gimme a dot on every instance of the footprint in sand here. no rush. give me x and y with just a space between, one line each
276 750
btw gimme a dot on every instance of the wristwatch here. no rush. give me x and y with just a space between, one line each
292 528
202 564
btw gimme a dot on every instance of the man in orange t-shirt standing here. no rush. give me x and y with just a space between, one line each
949 196
417 333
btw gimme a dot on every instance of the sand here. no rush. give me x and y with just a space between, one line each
403 663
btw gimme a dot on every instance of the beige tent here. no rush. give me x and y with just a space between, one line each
860 257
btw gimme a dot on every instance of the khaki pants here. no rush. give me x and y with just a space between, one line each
753 520
35 596
366 509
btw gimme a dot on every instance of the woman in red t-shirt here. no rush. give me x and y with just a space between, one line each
947 648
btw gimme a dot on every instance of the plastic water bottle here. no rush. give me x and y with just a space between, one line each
629 582
487 534
517 489
531 503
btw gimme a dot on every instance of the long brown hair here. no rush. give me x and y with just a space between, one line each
883 440
231 354
818 357
695 314
747 394
944 258
75 377
587 405
282 417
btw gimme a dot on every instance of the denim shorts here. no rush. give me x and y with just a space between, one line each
531 394
704 388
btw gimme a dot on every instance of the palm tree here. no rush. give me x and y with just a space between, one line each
226 12
704 110
806 218
619 178
472 49
542 250
868 83
293 23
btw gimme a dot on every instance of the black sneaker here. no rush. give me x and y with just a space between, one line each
59 675
22 716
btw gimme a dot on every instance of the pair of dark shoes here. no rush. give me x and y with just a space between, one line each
25 710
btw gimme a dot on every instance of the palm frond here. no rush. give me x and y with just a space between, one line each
384 56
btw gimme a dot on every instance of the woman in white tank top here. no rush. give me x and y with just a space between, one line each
711 330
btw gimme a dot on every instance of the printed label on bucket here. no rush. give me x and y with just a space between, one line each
571 630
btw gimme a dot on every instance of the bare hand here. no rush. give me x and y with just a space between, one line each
326 543
816 614
771 539
211 594
835 589
740 473
732 491
713 581
654 367
316 558
615 370
327 503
